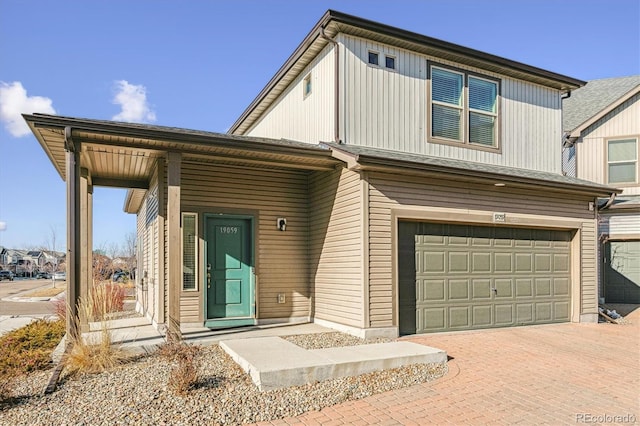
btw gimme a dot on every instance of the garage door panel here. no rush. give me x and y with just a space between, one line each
543 311
481 289
502 262
560 262
524 313
432 291
458 290
524 288
482 316
432 319
458 262
542 263
543 287
459 317
503 314
481 262
561 311
503 288
433 262
524 262
471 277
561 287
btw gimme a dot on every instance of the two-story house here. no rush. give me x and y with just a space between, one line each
602 127
383 182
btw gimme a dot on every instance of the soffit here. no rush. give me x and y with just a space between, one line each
124 152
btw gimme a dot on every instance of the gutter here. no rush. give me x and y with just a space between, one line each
610 201
336 92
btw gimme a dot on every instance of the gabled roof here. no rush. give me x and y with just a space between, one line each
598 97
365 158
333 22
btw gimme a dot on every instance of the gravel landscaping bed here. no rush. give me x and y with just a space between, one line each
137 393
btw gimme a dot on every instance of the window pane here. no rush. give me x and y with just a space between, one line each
622 150
189 242
622 172
373 58
482 94
481 129
445 122
446 86
390 62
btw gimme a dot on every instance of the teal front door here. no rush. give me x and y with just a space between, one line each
228 274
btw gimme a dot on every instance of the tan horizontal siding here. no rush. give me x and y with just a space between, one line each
387 192
282 259
336 246
190 309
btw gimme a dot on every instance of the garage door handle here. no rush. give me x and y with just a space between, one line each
495 290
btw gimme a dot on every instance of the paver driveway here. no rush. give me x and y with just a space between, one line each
552 374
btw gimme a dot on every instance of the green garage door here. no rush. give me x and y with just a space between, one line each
458 277
622 272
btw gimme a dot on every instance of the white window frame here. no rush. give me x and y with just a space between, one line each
195 253
464 109
636 161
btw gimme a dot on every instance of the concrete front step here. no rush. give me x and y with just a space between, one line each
275 363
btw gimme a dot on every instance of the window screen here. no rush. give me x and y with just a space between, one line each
189 251
622 156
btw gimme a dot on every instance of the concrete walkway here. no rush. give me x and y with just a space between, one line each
553 374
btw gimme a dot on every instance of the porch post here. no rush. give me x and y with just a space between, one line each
174 273
73 232
86 278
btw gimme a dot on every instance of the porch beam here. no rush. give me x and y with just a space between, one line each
121 183
174 273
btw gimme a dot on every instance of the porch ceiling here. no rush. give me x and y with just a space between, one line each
124 154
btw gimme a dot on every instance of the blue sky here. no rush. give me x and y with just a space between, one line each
198 64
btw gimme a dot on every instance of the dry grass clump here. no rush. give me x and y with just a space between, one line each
184 371
97 352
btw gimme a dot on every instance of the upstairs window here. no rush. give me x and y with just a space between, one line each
306 86
464 108
374 58
622 160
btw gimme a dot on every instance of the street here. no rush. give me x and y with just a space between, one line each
16 287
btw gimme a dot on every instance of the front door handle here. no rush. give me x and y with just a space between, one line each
208 275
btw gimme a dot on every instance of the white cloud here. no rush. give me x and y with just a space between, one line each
14 101
133 101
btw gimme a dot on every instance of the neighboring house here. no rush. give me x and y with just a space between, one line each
602 137
383 182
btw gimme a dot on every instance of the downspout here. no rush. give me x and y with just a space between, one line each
610 201
336 107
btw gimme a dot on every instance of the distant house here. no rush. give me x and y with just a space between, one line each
602 127
382 183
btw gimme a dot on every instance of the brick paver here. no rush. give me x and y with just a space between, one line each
552 374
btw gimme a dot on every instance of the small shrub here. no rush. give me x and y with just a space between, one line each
184 372
29 348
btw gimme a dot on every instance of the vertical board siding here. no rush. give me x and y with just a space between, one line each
388 109
303 118
282 262
388 191
591 147
336 246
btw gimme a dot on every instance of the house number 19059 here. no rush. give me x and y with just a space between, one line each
228 229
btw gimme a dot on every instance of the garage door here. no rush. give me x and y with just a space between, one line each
622 272
458 277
